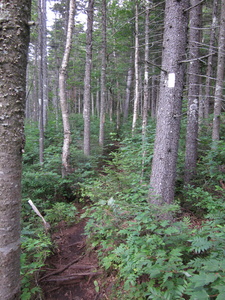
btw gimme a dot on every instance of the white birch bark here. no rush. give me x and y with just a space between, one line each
62 92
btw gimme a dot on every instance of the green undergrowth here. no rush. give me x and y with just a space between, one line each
156 258
53 195
36 243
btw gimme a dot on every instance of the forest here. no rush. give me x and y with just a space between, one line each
112 142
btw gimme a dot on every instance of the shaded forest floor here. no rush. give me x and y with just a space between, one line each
72 272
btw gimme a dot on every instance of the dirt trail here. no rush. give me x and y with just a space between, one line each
70 273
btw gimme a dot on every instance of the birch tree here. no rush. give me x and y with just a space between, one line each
14 39
62 92
163 173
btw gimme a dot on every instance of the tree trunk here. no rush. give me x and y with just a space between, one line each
42 78
209 72
128 91
193 92
154 96
146 70
136 71
62 92
103 77
163 173
219 76
87 79
146 84
14 39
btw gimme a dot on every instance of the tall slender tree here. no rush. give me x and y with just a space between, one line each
14 39
87 79
219 76
146 68
42 75
128 90
136 69
62 92
209 71
195 15
163 173
103 76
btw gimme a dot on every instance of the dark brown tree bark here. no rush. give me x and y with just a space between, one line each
14 39
193 91
87 79
163 173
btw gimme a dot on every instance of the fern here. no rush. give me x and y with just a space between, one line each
200 244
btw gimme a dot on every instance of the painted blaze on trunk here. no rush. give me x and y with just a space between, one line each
170 103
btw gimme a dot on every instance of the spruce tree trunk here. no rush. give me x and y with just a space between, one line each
209 71
128 90
219 76
42 75
87 79
193 92
146 70
103 77
14 39
136 71
62 92
163 173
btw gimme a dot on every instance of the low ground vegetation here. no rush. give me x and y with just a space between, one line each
150 257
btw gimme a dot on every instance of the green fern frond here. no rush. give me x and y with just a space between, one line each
200 244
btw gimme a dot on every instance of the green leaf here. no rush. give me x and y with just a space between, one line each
203 279
199 295
221 296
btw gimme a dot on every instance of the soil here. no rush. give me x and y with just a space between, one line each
72 272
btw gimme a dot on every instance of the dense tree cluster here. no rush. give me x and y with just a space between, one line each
151 71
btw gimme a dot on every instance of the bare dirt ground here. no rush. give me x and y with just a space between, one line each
72 273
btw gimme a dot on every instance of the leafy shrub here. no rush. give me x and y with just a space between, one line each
157 259
36 247
61 211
